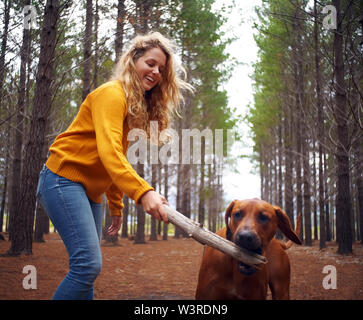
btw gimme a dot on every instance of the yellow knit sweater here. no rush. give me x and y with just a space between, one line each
92 151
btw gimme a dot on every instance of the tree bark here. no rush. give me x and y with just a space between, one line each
6 177
296 51
299 202
96 51
87 51
4 41
153 233
22 231
108 221
119 39
125 215
41 217
343 197
18 145
329 230
166 194
321 134
140 230
289 204
201 200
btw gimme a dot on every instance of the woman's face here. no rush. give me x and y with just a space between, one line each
150 67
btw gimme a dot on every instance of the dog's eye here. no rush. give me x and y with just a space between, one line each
238 215
262 218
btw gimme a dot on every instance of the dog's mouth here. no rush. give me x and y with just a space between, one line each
245 269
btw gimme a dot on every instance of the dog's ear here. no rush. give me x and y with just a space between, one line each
283 222
226 219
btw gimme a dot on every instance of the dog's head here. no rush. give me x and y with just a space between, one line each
251 224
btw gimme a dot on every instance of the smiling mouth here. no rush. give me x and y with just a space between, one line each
149 79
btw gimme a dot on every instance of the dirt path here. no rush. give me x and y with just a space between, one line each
168 270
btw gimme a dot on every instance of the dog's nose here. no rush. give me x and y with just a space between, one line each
249 240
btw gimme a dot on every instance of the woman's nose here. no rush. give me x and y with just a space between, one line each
156 70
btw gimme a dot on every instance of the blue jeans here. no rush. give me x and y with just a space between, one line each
78 221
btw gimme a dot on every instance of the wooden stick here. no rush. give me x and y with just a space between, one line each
204 236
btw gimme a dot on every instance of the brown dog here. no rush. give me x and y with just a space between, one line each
251 224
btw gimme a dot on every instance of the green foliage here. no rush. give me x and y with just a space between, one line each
197 30
273 43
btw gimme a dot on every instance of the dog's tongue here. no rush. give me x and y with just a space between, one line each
245 269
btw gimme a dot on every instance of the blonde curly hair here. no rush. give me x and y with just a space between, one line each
160 102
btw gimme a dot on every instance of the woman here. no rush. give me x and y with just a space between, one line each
89 158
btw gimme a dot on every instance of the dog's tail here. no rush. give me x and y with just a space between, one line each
289 243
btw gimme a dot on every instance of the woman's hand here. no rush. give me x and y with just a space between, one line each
115 226
153 205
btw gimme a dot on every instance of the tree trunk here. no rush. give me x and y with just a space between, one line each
275 171
18 145
321 134
186 169
269 156
303 135
179 192
95 58
328 229
125 216
41 224
358 152
298 116
159 174
140 230
87 51
314 197
343 197
108 221
6 177
360 194
4 36
153 233
119 39
216 201
166 194
22 230
279 157
288 125
179 186
307 194
262 174
201 200
298 164
41 217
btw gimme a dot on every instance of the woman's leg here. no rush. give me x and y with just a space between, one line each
70 211
97 216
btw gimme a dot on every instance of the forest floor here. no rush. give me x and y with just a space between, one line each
168 270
